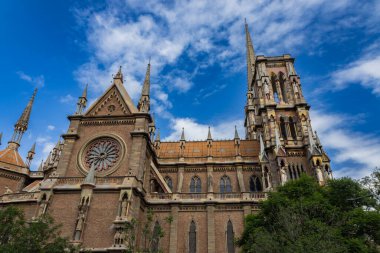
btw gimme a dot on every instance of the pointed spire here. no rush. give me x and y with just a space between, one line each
41 167
82 102
251 59
158 135
30 155
144 102
236 134
22 124
90 178
84 94
209 134
119 75
183 134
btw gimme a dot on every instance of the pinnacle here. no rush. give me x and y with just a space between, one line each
33 149
84 94
183 134
209 134
236 134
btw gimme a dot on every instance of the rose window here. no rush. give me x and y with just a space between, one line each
103 153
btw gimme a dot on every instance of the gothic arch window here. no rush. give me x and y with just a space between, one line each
295 172
299 171
193 237
283 88
283 128
292 126
169 182
290 171
274 88
255 184
156 237
230 237
195 185
302 169
326 168
266 175
225 184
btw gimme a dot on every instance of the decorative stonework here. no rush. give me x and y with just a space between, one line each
104 152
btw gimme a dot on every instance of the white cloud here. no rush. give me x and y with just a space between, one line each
38 81
359 149
198 131
364 71
50 127
66 99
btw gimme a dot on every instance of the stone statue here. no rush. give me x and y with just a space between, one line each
266 90
124 205
319 175
283 175
296 90
79 226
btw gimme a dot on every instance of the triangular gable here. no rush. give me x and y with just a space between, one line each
114 102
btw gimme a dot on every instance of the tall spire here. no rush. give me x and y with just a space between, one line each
22 124
82 102
144 102
250 57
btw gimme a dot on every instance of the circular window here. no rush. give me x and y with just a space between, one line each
104 153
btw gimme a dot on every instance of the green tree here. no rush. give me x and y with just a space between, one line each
38 236
302 216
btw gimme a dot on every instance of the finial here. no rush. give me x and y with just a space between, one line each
183 134
84 94
209 134
236 133
33 148
119 75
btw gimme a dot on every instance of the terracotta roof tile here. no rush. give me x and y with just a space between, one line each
11 156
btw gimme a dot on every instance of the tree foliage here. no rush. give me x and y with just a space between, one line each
38 236
303 217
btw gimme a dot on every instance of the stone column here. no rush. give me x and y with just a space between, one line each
239 174
173 230
210 229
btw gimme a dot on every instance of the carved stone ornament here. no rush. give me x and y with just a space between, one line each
104 153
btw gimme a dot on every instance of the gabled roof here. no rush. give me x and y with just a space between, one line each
115 95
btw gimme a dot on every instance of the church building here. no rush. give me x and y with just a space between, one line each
111 168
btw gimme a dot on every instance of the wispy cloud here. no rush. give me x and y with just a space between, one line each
38 81
358 149
50 127
67 99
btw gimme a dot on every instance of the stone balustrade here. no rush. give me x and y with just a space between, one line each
19 197
249 196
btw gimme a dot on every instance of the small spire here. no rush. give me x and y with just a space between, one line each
41 167
183 134
144 102
251 59
236 134
262 149
209 134
84 94
119 75
158 135
90 178
33 149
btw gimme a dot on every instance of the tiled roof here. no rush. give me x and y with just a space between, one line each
11 156
218 149
32 187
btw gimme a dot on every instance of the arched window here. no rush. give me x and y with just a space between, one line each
259 188
193 237
302 169
283 128
195 185
156 237
169 182
274 79
326 168
292 126
230 237
290 172
283 88
225 184
255 184
299 171
266 175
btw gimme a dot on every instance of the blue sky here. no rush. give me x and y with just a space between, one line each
197 51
